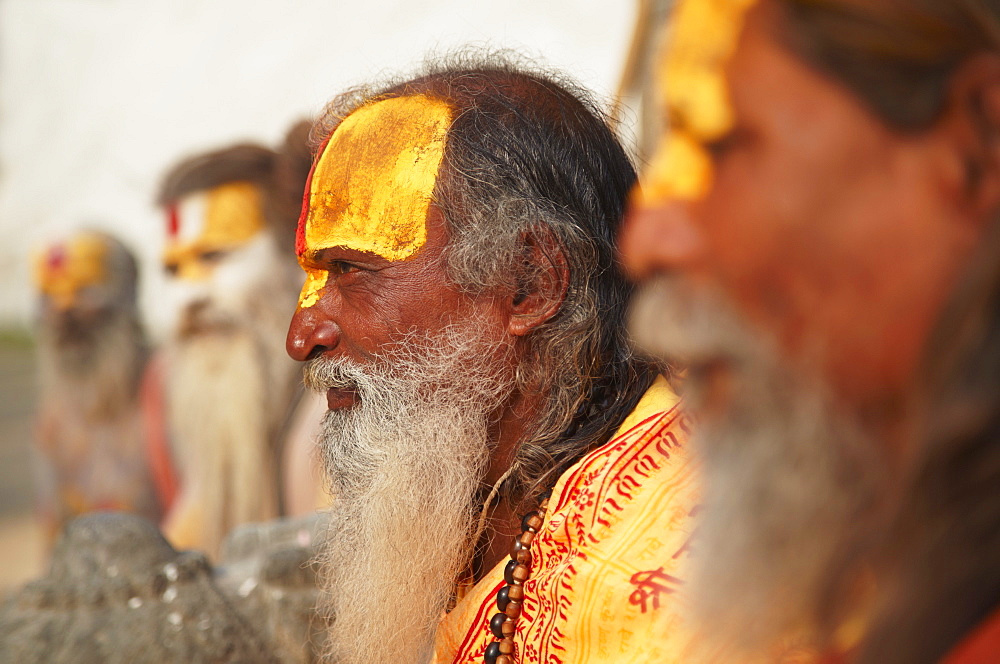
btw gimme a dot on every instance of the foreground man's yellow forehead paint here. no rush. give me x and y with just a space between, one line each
691 78
371 187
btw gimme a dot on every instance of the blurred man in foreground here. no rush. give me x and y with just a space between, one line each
91 357
229 387
492 444
828 190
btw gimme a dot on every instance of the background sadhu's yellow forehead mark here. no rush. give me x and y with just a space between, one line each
234 215
372 186
691 76
83 263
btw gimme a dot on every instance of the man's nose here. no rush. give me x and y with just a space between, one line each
310 333
660 238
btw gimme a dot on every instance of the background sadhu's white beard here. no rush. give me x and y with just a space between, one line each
789 482
218 412
405 468
98 374
230 389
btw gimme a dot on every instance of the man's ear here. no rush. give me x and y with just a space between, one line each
972 119
541 285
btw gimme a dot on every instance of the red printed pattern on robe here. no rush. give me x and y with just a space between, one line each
604 534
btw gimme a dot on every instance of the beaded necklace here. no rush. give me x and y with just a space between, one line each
503 625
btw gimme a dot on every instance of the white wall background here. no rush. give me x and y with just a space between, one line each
99 97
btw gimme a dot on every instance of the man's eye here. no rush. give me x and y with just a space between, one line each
212 256
724 144
341 267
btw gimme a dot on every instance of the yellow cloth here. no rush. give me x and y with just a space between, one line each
605 585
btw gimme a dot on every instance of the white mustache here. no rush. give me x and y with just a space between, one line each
323 373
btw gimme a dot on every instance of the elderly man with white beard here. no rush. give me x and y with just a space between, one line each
510 481
229 386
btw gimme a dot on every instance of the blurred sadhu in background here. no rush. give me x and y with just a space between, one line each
230 389
201 436
91 354
819 231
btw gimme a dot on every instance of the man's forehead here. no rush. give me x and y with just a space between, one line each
372 185
692 82
230 214
691 72
77 262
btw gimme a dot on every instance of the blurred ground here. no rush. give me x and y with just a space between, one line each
22 548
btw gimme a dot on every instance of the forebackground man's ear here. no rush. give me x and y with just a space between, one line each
972 117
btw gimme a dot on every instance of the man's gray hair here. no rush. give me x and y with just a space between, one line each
531 161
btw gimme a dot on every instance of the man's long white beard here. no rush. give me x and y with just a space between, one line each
97 373
230 388
220 401
405 467
88 430
788 480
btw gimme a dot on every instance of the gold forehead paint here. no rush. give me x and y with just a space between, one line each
62 271
371 187
691 77
233 216
315 281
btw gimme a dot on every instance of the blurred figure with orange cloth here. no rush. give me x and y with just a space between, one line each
91 355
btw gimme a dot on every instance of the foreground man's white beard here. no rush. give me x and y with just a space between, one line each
789 483
404 467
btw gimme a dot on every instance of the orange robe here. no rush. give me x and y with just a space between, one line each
608 562
980 646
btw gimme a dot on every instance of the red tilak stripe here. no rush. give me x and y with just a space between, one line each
300 231
173 221
56 257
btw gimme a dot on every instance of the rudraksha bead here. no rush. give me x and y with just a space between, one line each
496 624
506 646
505 659
519 574
503 598
513 610
508 572
526 539
515 593
523 557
